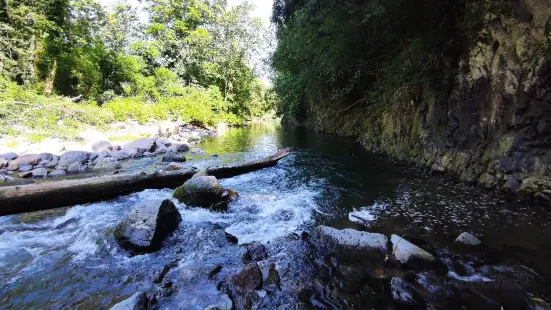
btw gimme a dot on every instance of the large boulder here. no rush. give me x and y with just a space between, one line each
68 158
147 225
172 156
141 145
467 239
350 242
39 173
202 191
410 255
24 160
100 146
137 301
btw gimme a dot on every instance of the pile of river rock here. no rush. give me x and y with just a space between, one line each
356 269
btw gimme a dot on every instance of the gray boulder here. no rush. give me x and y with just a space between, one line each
467 239
39 173
58 173
25 168
76 167
119 155
202 191
143 145
108 163
9 156
137 301
255 252
147 225
23 160
68 158
179 147
172 156
411 255
100 146
350 242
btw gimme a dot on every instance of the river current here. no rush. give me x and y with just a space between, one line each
68 258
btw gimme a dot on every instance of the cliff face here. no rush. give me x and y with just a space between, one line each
494 128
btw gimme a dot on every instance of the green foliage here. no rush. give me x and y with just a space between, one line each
379 52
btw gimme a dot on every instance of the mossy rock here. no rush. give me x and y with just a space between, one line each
201 191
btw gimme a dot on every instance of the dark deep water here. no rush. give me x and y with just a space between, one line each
68 258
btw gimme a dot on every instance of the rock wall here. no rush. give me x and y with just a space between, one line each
494 128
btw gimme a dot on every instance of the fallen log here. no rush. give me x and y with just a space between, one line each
50 195
231 171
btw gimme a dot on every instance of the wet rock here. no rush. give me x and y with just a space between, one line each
58 173
255 251
23 160
100 146
467 239
242 285
147 225
137 301
231 238
214 272
403 293
39 173
270 277
410 255
161 275
350 242
8 156
172 156
203 191
68 158
108 163
142 145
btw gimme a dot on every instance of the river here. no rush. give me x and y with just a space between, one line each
68 258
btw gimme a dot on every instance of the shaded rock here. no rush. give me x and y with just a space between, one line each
255 251
3 162
58 173
108 163
350 242
272 279
512 183
39 173
26 174
248 279
467 239
161 275
203 191
25 168
179 147
24 160
142 145
403 292
506 165
137 301
411 255
9 156
76 167
100 146
231 238
172 156
214 272
68 158
147 225
47 156
491 295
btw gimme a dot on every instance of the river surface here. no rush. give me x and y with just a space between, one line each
68 258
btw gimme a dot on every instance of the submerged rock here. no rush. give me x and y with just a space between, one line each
202 191
410 255
147 225
350 242
137 301
255 252
467 239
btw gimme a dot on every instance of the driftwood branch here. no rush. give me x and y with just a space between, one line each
50 195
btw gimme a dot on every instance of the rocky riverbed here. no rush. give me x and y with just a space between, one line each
103 156
329 227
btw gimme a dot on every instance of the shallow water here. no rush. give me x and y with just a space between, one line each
68 258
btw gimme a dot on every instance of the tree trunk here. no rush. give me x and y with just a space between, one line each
49 195
49 87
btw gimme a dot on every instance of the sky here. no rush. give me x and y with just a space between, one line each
263 7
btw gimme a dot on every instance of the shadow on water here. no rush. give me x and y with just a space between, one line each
68 258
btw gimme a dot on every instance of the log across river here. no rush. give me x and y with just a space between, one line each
49 195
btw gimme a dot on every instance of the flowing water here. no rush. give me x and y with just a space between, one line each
68 258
